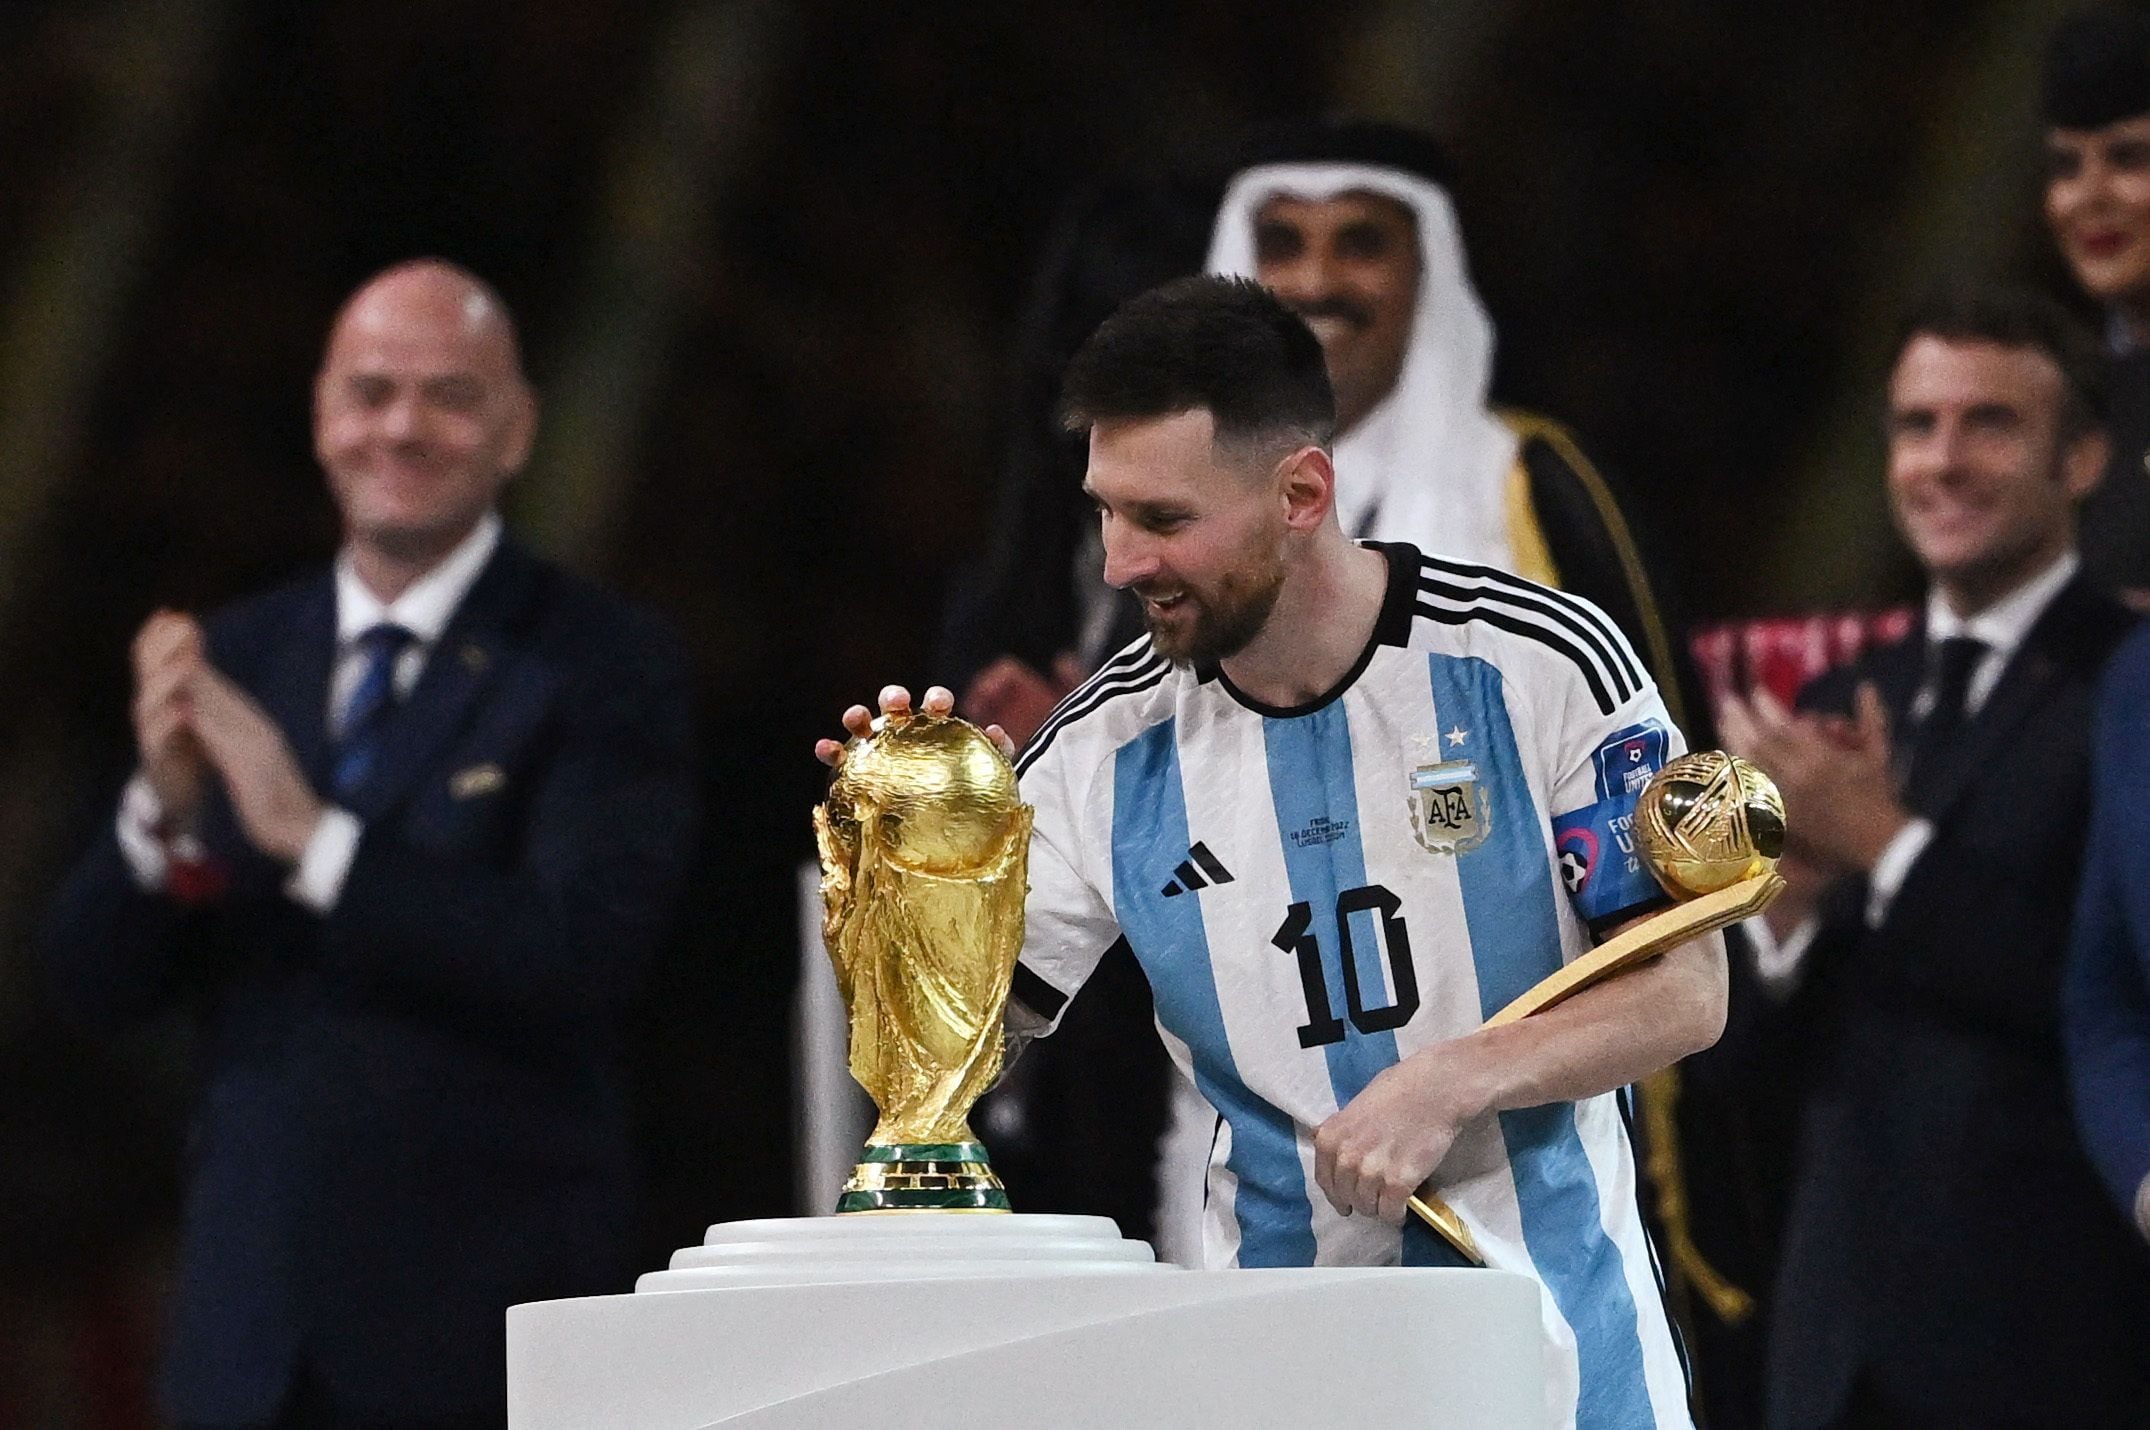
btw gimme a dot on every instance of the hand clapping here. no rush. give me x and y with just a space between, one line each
190 720
1839 791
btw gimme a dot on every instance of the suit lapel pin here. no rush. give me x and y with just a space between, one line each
477 780
474 658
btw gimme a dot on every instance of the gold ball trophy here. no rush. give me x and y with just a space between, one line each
924 856
1710 828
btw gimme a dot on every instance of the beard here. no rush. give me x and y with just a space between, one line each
1206 628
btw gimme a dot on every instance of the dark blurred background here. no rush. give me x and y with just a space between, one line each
770 260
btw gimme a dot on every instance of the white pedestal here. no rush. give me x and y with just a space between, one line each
939 1318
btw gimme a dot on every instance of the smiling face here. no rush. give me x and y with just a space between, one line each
2097 202
421 413
1982 481
1197 533
1349 266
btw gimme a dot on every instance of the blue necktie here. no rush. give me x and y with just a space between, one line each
364 728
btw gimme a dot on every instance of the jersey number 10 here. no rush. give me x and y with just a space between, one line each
1296 937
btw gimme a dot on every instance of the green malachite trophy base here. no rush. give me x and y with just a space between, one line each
923 1177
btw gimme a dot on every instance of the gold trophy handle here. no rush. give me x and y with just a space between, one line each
1646 940
1666 929
1442 1217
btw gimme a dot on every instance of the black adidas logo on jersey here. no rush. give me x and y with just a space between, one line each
1187 878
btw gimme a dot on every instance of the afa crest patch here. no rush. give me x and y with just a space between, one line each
1449 814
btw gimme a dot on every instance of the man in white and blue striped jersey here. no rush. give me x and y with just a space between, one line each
1345 801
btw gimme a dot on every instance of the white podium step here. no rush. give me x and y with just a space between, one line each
901 1246
1029 1320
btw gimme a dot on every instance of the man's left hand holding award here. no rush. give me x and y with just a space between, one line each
924 844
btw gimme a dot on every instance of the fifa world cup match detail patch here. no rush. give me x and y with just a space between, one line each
1599 865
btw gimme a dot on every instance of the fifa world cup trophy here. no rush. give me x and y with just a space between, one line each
924 856
1710 829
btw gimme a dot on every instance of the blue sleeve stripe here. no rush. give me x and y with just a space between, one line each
1515 941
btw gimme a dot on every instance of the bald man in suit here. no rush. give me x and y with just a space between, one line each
402 839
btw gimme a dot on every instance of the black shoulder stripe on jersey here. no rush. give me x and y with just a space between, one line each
1579 616
1535 631
1135 658
1036 994
1582 610
1088 701
1131 683
1139 654
1479 600
1586 610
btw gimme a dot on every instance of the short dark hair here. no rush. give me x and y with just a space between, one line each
2013 317
1226 345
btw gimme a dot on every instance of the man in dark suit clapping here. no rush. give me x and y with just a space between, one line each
403 837
1949 1259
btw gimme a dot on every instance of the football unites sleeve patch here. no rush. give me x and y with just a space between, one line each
1599 865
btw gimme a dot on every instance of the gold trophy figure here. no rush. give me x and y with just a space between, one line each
1710 828
924 856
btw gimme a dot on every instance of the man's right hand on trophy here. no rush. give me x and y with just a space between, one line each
896 705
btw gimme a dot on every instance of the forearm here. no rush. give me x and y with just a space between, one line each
1378 1149
1608 1036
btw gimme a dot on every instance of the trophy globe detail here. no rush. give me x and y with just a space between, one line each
924 846
1708 821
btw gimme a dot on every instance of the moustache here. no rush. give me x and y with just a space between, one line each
1355 313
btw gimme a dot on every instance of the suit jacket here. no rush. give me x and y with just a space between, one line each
412 1112
2115 517
2107 1003
1947 1239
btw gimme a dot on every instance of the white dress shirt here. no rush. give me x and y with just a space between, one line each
424 609
2001 627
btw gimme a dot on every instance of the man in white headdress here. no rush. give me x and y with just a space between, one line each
1370 256
1350 224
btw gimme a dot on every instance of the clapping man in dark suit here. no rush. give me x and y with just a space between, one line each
1949 1259
403 838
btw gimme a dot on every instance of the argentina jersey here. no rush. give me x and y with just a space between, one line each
1318 892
